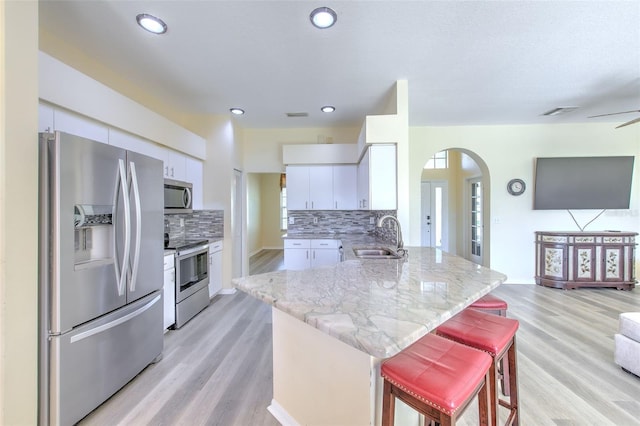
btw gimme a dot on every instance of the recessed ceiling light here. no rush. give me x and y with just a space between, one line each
328 108
151 23
237 111
323 17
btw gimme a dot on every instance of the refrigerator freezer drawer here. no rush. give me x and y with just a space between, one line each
92 362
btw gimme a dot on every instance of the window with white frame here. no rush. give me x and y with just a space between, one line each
440 160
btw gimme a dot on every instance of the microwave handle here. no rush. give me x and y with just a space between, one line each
186 198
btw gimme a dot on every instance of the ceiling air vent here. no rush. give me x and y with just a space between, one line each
297 114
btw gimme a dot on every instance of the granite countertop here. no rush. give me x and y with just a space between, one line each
378 306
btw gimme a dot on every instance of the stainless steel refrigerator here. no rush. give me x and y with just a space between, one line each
101 272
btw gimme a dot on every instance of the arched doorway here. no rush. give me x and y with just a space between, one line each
455 204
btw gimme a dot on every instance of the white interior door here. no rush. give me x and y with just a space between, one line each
237 207
434 220
476 217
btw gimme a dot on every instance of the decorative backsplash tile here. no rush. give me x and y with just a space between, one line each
199 224
341 222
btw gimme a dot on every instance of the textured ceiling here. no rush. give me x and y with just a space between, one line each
467 63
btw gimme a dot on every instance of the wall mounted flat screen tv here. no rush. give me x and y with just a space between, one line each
578 183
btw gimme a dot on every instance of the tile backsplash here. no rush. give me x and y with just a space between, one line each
207 224
341 222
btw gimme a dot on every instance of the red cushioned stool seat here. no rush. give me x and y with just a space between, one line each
497 336
492 304
438 378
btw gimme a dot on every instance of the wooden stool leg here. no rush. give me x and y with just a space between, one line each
388 405
484 401
513 384
492 389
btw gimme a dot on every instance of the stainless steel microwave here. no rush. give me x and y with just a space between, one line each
177 196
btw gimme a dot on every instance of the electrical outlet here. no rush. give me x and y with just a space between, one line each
315 220
372 220
181 222
292 221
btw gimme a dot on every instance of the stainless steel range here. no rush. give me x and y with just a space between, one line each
192 278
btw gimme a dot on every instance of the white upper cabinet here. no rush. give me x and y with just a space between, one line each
321 187
79 125
175 165
345 185
363 182
298 188
377 178
194 174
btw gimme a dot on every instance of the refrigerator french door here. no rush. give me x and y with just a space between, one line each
101 272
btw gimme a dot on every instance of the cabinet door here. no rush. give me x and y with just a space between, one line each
613 263
553 261
298 188
584 263
215 272
79 125
345 187
169 295
382 177
324 257
175 165
297 259
363 182
321 187
194 175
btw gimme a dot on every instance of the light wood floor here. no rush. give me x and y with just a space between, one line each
217 369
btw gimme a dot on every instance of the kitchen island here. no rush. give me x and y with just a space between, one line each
333 326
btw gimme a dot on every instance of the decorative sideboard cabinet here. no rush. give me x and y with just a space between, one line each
571 260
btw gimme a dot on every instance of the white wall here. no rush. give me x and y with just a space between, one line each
509 152
18 212
224 154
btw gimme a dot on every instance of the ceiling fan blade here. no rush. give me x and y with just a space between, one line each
614 113
636 120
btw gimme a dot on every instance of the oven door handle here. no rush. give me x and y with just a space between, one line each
191 251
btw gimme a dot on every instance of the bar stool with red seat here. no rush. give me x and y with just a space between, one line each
495 335
491 304
438 378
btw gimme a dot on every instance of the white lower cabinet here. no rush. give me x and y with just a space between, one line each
302 254
215 268
169 291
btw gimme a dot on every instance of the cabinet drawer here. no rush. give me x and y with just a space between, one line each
169 261
295 243
325 244
217 246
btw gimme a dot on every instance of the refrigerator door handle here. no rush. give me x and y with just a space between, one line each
121 274
114 323
138 213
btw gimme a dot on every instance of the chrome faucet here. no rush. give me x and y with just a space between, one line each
399 236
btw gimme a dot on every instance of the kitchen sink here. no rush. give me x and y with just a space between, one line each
375 253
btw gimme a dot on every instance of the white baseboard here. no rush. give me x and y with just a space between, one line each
281 414
228 291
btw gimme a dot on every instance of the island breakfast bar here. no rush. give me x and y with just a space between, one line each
334 325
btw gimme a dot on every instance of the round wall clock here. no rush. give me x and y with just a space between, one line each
516 186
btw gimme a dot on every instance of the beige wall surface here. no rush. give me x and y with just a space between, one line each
509 152
254 213
18 212
263 212
271 233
